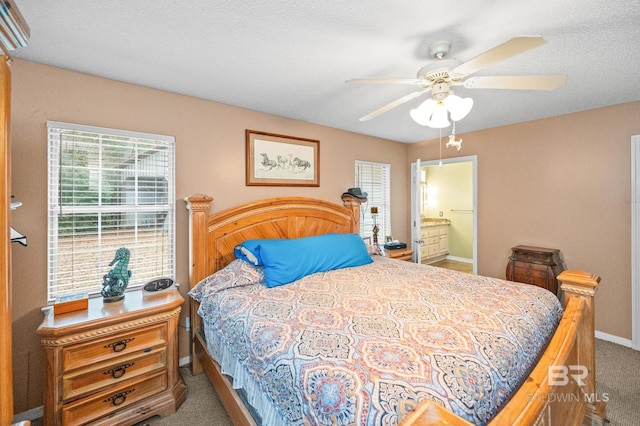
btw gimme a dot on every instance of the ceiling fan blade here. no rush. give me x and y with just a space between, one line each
516 82
506 50
391 105
382 80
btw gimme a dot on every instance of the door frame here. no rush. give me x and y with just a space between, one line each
635 242
416 201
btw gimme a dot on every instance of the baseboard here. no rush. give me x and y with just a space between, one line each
614 339
184 361
33 414
459 259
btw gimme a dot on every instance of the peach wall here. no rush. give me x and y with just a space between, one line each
210 158
562 182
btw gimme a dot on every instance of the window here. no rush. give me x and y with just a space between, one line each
374 179
108 189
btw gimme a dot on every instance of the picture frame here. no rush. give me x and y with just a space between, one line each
281 160
388 238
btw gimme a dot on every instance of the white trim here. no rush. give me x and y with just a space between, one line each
474 162
32 414
184 361
635 242
106 130
459 259
416 237
614 339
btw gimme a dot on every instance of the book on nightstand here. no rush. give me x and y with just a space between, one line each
70 303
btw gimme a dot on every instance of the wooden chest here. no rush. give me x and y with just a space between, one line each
535 265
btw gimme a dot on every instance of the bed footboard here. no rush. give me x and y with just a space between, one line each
561 388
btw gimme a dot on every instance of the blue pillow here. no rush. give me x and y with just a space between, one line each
249 251
288 260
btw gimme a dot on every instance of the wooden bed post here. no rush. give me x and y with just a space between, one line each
353 204
583 285
199 206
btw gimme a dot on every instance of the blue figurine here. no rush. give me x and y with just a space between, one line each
115 282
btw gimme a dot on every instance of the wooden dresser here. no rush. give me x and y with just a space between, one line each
113 363
535 265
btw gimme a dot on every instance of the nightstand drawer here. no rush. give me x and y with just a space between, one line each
100 404
529 279
95 377
400 254
531 269
76 356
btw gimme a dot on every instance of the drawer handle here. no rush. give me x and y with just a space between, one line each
120 345
119 371
119 398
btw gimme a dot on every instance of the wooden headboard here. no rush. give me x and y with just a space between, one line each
213 237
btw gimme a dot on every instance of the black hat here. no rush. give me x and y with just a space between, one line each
356 193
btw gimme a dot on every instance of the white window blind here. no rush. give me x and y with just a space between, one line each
374 179
108 189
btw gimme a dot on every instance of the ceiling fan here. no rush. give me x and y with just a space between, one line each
439 76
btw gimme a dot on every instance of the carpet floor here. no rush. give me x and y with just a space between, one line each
617 382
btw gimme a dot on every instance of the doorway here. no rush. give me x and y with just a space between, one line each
446 190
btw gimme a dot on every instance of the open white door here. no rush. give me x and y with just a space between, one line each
416 202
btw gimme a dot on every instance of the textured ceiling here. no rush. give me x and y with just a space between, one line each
291 57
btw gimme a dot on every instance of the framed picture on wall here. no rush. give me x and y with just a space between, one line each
279 160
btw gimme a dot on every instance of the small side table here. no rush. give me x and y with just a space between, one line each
535 265
113 363
400 254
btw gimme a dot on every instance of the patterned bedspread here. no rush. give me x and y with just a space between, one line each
365 345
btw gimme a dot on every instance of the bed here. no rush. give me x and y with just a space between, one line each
554 385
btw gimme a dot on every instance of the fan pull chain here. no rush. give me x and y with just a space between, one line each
440 162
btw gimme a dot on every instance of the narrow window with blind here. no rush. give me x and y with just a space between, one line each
374 179
108 189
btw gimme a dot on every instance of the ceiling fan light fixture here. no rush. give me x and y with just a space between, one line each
422 114
458 107
439 118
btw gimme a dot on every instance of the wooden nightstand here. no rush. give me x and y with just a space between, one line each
400 254
113 363
535 265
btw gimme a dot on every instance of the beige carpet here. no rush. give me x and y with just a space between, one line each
202 407
617 376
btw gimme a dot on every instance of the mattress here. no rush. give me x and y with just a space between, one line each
364 345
